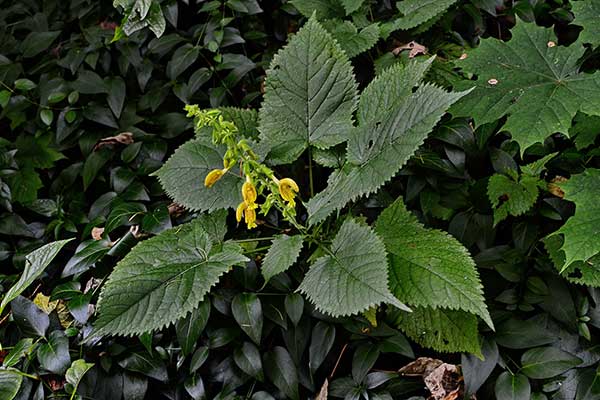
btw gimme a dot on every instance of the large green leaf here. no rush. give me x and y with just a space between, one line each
580 272
182 177
35 264
530 79
428 267
163 278
440 329
395 126
10 382
587 13
310 95
353 277
580 232
350 39
547 362
282 254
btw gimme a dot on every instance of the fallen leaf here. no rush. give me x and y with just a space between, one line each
323 392
554 188
422 366
97 233
414 49
122 138
175 210
43 302
444 381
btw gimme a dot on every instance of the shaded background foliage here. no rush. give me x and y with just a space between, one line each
84 123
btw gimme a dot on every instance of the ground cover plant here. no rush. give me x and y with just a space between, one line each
318 199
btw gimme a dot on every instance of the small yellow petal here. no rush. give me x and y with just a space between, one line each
250 218
213 176
239 212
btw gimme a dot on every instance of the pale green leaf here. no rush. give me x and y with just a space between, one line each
351 5
182 177
384 141
580 232
511 197
162 279
428 267
530 79
353 276
587 14
350 39
282 254
35 264
440 329
10 383
310 95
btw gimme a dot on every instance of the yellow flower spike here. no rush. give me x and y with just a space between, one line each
250 217
249 192
213 176
288 189
239 212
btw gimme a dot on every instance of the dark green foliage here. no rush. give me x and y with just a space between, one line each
497 220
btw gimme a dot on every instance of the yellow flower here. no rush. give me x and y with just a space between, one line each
288 189
213 176
239 212
249 192
250 217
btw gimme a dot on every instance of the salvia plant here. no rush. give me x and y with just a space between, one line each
303 185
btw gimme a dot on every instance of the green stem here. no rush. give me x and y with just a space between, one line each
253 240
310 173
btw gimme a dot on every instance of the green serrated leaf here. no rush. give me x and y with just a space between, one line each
162 279
353 276
580 272
24 185
386 138
182 177
510 197
282 254
350 39
417 12
532 80
428 267
440 329
580 232
310 95
587 13
35 264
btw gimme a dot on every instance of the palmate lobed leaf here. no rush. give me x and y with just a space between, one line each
428 267
586 15
164 278
510 197
353 277
392 127
580 232
310 95
530 79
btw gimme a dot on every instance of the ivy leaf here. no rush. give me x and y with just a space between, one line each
162 279
353 277
310 95
385 140
510 196
54 355
182 177
350 39
547 362
10 383
586 15
440 329
512 387
532 80
35 264
581 230
282 254
429 267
